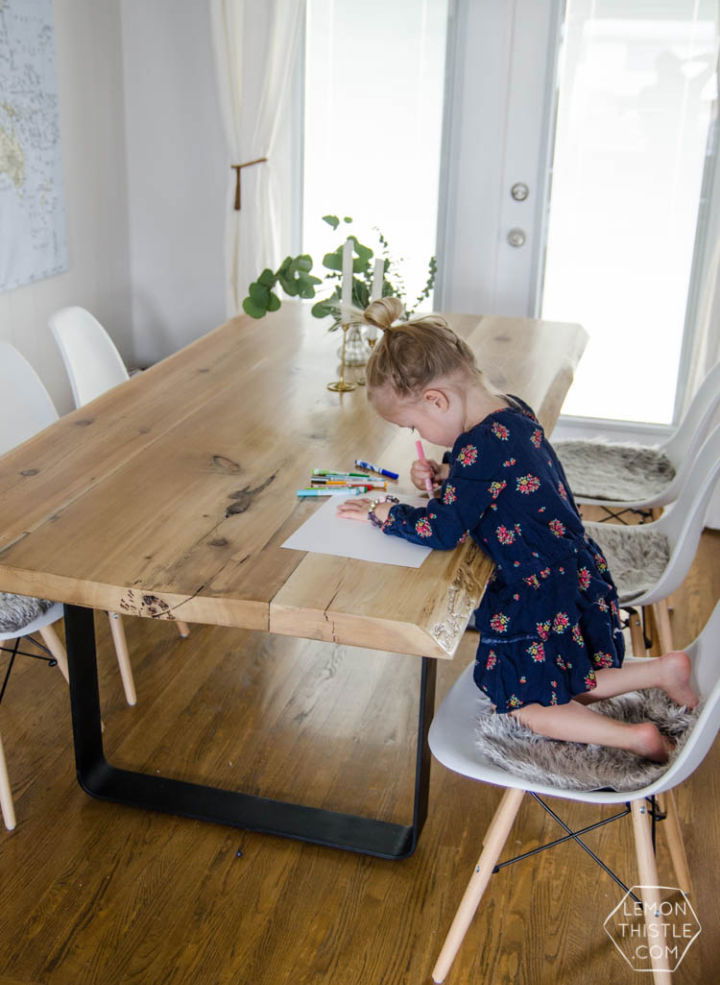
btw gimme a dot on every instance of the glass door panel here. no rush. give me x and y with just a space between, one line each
636 99
374 84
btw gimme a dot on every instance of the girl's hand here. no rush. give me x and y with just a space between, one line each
357 509
429 469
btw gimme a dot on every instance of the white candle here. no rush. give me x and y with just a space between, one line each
378 277
375 293
347 272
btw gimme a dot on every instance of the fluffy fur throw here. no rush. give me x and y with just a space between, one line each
628 473
18 611
574 765
636 556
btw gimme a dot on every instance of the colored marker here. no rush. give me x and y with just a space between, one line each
347 485
376 468
421 456
329 472
379 484
324 491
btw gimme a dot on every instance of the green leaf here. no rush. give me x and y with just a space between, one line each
364 252
274 302
303 262
333 261
259 294
307 291
332 220
347 218
267 278
360 294
252 309
288 285
321 310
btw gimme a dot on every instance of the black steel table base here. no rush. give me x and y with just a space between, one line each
101 779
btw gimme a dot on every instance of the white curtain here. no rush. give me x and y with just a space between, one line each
257 43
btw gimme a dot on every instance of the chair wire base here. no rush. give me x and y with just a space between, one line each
641 614
613 514
655 813
15 651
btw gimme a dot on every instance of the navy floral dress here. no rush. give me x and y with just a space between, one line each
549 617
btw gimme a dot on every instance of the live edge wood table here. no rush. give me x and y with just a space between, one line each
169 497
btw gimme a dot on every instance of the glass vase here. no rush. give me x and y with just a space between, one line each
357 350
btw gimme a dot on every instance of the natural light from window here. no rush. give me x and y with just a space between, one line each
636 99
374 83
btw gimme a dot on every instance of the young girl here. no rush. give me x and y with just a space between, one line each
550 636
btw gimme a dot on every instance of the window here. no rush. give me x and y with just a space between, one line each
636 100
374 82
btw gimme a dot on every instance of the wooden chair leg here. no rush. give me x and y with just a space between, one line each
52 642
637 637
662 621
183 629
675 842
6 801
123 658
647 869
495 838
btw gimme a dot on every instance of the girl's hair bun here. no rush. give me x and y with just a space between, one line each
411 355
383 312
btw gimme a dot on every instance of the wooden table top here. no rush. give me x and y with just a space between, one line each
170 495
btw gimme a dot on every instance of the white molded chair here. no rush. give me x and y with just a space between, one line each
677 533
42 625
32 410
93 366
452 742
679 451
92 362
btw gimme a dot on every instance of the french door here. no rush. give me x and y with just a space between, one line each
577 137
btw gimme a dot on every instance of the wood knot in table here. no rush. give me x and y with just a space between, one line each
243 498
463 595
135 603
221 463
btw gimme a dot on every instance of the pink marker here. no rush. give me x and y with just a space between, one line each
421 456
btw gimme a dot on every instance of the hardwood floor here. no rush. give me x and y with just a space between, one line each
98 894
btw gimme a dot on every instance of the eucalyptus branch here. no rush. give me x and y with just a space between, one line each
295 279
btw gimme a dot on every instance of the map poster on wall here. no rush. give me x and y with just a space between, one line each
33 241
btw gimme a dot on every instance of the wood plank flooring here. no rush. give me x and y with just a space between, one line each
98 894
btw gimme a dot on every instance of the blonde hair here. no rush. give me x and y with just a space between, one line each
411 355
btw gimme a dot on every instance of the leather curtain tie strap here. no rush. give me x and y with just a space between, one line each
238 168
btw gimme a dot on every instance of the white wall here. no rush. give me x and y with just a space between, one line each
177 174
90 87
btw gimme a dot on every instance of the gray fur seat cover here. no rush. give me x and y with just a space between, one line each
18 611
574 765
625 473
636 555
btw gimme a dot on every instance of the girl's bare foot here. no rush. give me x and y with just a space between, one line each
675 674
650 743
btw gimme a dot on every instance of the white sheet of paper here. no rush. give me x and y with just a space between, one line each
327 533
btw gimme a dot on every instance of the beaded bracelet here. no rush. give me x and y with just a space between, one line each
371 515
